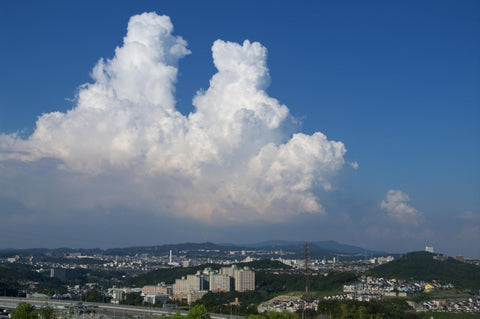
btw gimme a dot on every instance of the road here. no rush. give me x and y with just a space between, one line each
112 309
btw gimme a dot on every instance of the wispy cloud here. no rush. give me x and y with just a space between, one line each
397 208
234 159
469 216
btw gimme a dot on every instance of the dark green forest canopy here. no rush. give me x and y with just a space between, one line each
12 276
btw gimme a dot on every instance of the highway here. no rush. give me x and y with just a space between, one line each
110 310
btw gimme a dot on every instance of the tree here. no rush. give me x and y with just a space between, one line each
24 311
94 296
47 312
362 312
283 315
133 299
198 312
177 315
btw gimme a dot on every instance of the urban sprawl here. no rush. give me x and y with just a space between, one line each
230 277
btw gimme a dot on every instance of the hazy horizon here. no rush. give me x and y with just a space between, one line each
279 242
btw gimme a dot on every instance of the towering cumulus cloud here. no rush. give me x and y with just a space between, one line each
234 158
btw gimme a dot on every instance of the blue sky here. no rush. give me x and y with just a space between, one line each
396 82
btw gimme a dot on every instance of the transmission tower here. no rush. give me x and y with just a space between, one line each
307 273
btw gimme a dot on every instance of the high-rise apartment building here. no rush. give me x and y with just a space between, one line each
220 282
229 270
225 280
244 279
184 285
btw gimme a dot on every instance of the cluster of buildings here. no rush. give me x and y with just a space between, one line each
336 264
371 288
288 303
143 262
460 258
467 305
195 286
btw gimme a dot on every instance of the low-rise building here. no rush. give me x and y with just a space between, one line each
156 298
161 288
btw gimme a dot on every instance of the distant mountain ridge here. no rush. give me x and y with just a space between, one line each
317 249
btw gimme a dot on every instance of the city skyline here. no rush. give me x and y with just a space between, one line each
152 123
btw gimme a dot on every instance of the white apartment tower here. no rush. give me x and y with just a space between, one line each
244 279
191 283
230 271
225 280
220 282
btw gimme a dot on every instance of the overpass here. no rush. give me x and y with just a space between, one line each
108 310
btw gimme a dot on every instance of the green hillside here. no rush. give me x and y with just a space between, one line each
422 266
14 278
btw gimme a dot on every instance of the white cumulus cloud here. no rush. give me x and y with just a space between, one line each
398 209
234 158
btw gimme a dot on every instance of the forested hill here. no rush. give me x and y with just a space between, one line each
422 266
